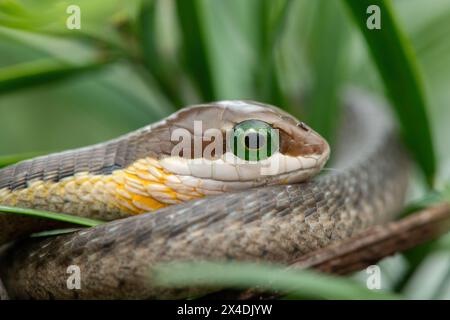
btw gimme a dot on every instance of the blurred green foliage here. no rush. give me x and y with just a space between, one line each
300 284
396 62
134 62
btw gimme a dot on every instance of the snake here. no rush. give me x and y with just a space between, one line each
233 180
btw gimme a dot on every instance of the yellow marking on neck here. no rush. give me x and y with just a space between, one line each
141 187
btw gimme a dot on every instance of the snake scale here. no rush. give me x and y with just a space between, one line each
263 219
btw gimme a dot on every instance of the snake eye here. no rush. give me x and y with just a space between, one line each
254 140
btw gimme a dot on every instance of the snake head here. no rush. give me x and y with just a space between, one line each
234 145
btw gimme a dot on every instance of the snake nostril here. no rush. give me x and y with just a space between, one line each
303 126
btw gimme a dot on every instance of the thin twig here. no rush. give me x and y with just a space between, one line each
365 249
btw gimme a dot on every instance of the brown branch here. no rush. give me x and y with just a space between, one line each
365 249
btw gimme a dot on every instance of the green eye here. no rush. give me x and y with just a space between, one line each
254 140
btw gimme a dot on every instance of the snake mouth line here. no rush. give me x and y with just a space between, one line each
230 168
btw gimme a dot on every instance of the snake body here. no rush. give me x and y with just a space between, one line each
271 223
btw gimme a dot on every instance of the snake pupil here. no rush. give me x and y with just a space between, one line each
254 140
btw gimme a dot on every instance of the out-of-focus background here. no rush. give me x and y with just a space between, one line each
134 62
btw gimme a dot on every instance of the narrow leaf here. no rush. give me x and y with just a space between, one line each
52 233
162 71
51 216
40 72
273 17
398 67
195 53
325 56
300 284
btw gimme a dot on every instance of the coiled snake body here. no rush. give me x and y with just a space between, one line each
267 218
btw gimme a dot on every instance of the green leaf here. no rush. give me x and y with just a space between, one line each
233 55
443 244
327 69
40 72
415 256
162 71
429 199
52 233
397 65
229 46
99 19
272 17
195 52
298 283
64 49
51 216
99 100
